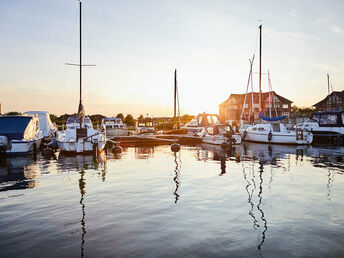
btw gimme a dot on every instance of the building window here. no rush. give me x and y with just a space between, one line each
285 114
285 106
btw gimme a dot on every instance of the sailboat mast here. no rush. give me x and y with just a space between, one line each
80 64
175 98
328 91
260 68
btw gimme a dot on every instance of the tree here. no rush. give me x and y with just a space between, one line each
129 120
12 113
140 117
302 110
120 115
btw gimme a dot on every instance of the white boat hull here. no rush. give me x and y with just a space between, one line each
278 138
80 146
22 147
219 139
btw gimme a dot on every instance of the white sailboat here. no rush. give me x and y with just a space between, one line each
272 130
80 137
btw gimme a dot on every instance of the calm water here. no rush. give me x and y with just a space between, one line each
256 201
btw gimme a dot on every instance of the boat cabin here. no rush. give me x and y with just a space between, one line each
73 122
19 127
269 127
204 120
329 118
219 129
144 126
113 122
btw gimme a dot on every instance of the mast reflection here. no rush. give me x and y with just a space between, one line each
260 198
250 190
82 185
177 161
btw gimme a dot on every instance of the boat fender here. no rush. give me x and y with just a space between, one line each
116 149
244 135
175 147
270 136
54 144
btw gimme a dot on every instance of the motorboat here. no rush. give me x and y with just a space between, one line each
144 127
276 132
113 127
201 121
46 126
80 137
220 134
327 127
19 134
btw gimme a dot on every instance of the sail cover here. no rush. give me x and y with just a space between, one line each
271 119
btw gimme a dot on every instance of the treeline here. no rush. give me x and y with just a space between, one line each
161 123
302 110
96 119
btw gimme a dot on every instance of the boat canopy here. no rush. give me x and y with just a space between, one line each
207 119
271 119
45 123
17 127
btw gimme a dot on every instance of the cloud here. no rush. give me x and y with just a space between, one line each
327 17
292 13
337 30
286 34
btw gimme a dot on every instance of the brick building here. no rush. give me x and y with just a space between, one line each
334 101
230 110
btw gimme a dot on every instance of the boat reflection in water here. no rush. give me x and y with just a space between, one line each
18 173
248 201
259 160
81 163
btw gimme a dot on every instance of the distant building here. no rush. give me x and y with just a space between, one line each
334 101
230 110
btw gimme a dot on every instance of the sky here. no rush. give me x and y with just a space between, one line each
137 44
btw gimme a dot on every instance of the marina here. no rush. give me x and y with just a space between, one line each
225 171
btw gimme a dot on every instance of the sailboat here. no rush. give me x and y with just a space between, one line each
176 120
273 131
80 137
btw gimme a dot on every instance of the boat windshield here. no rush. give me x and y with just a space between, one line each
76 120
328 119
315 118
224 129
112 121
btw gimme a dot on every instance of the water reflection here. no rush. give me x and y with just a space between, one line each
81 163
82 185
144 152
18 173
177 161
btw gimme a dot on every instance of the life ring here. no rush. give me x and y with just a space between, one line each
270 136
244 135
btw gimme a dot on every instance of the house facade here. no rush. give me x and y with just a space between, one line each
334 101
272 105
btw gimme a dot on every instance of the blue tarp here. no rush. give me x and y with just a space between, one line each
271 119
14 126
